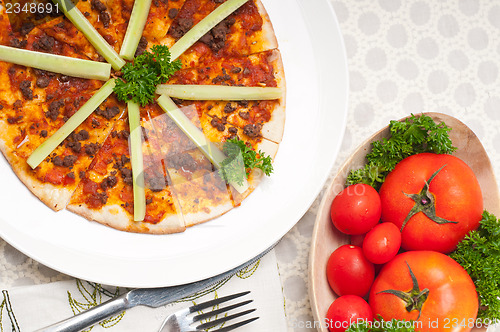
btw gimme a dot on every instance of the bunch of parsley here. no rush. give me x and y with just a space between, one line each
479 254
240 160
140 78
414 135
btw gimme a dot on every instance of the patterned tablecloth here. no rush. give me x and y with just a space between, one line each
404 56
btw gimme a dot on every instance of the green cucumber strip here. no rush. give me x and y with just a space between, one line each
209 149
204 26
135 28
81 22
136 159
218 92
46 148
56 63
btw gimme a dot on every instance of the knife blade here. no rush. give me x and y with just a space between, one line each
150 297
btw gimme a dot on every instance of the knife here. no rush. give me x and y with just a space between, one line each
150 297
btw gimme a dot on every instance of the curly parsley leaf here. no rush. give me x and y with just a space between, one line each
479 254
241 159
380 325
140 78
414 135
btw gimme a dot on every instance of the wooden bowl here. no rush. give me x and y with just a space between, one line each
326 238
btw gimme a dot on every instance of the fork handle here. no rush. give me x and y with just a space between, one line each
90 317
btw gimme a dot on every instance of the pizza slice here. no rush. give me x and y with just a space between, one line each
265 118
34 105
105 194
246 31
161 15
218 132
201 194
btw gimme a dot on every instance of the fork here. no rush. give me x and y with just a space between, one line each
182 320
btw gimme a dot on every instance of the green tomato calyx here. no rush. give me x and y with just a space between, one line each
415 298
425 203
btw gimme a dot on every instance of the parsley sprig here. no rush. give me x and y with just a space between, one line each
240 160
140 77
414 135
479 255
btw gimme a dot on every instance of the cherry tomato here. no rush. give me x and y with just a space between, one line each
435 198
382 243
346 310
356 209
349 272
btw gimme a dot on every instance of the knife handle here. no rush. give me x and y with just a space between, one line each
90 317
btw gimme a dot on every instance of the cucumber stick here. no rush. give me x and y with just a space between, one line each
204 26
46 148
218 92
135 28
56 63
81 22
136 160
209 149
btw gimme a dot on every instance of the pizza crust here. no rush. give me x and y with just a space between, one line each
117 217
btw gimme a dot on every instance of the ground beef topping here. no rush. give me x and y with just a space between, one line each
54 108
183 25
97 6
69 160
223 79
109 182
229 108
26 28
244 115
216 38
172 13
18 43
218 124
143 45
127 175
25 88
44 133
252 130
82 135
76 147
91 149
154 180
14 120
45 43
183 161
108 113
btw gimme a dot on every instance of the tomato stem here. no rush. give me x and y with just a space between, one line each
425 203
415 298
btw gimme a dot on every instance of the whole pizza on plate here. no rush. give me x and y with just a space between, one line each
89 171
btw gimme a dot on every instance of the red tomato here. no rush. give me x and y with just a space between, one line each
435 199
442 288
382 243
346 310
349 272
356 209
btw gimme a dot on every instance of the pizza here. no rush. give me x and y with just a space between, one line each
90 170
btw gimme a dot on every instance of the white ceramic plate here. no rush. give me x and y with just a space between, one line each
317 85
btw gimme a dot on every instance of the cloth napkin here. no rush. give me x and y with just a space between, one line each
29 308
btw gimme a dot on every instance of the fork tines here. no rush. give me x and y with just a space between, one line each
219 311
